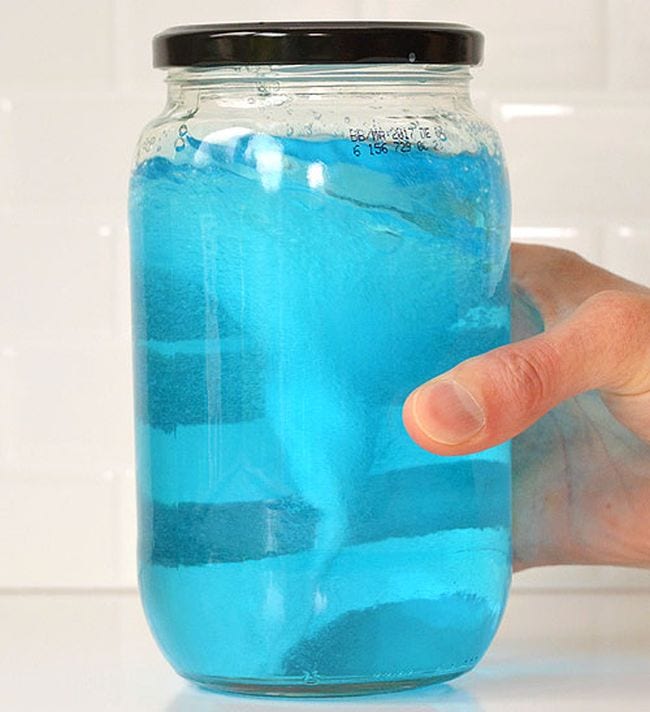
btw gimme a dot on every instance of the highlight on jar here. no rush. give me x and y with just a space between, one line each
308 192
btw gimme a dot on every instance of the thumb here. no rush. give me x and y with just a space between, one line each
488 399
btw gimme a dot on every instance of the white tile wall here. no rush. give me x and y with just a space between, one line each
59 531
628 43
69 405
144 18
59 139
577 158
127 530
584 239
52 45
6 106
77 307
553 44
568 85
626 250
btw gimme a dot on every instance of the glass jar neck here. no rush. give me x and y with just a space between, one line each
321 79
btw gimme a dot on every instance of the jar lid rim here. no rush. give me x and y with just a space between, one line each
317 43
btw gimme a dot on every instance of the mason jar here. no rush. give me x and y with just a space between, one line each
319 224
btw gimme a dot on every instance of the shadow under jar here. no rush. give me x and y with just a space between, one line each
319 223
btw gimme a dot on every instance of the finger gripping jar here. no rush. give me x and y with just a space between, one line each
319 224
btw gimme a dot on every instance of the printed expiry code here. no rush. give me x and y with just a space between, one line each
400 139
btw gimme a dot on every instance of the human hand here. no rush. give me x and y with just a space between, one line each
574 387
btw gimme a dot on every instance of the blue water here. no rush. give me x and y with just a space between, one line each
288 296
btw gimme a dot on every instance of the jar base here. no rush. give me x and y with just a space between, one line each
260 688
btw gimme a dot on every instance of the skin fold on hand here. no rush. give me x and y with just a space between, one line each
573 390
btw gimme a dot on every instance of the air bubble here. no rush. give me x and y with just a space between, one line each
179 144
182 130
411 56
310 678
346 119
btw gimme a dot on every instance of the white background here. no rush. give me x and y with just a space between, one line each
567 83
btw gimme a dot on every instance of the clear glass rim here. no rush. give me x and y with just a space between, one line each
321 74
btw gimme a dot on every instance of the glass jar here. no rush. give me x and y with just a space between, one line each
319 224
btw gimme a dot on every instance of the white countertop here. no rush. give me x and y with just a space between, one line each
555 651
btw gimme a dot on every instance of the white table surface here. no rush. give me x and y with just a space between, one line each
555 651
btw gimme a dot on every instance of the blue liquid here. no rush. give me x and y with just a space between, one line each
288 296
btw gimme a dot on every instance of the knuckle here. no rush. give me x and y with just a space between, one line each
625 317
550 256
528 374
624 311
566 258
561 260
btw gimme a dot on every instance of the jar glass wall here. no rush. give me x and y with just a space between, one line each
309 244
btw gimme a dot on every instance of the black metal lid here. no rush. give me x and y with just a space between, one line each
317 43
